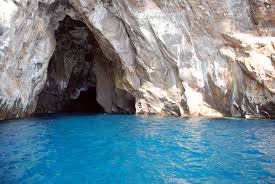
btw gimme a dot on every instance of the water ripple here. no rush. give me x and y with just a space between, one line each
136 149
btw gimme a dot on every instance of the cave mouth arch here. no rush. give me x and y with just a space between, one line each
80 78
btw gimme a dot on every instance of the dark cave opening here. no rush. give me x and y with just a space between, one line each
77 71
86 103
71 81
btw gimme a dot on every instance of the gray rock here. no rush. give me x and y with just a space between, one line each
187 58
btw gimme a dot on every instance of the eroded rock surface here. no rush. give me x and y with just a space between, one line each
181 57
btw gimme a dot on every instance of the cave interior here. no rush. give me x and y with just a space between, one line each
80 78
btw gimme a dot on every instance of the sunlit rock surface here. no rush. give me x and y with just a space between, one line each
180 57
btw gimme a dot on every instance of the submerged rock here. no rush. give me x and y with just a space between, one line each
186 58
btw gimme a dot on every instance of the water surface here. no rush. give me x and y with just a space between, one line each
136 149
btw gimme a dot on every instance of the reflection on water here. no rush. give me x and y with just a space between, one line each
136 149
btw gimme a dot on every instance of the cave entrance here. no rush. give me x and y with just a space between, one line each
86 102
80 78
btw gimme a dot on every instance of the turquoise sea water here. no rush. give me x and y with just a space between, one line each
119 149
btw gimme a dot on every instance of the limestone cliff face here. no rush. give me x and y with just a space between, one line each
180 57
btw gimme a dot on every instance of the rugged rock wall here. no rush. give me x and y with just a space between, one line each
181 57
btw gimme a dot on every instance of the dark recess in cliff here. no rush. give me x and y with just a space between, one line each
86 102
75 68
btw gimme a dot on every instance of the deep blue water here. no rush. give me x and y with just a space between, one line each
120 149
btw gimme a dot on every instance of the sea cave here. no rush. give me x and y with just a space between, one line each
80 77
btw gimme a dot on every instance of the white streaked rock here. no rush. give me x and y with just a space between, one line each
181 57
